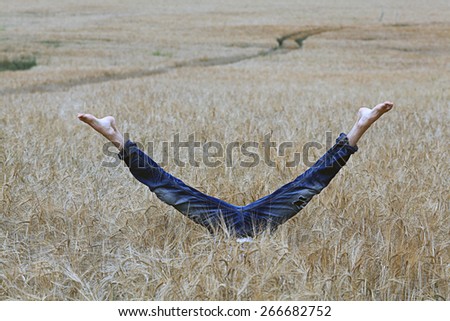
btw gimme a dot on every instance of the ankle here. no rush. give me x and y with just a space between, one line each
363 124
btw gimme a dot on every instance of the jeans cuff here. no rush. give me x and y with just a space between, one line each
126 150
342 140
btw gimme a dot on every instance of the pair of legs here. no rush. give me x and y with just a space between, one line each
242 221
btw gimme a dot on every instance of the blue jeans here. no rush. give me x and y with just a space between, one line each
241 221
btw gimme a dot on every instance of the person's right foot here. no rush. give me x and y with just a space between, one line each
367 116
105 126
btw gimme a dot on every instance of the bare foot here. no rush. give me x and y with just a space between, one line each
367 116
105 126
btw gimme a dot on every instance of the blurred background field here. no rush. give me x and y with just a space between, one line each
72 229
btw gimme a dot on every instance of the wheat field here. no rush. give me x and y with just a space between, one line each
73 229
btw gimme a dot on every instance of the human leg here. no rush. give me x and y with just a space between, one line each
276 208
203 209
288 200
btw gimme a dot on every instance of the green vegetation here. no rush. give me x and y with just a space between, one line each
158 53
21 63
52 43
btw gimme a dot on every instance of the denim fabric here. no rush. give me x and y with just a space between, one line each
241 221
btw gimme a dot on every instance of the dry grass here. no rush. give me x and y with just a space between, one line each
71 229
